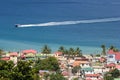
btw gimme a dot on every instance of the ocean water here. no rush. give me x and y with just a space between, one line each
89 37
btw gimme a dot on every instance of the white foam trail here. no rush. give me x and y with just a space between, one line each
72 22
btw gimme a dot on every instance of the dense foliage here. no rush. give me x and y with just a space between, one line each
21 71
76 69
50 63
71 52
112 74
57 77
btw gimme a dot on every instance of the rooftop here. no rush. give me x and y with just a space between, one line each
87 69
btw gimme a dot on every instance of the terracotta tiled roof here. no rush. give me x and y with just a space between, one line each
65 73
110 65
29 51
102 59
76 63
13 54
88 79
92 75
118 66
84 62
5 58
58 53
111 52
117 56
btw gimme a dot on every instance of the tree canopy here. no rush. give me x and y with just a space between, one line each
21 71
50 63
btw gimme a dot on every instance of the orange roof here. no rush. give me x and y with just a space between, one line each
29 51
92 75
111 65
58 53
84 62
13 54
76 63
5 58
102 59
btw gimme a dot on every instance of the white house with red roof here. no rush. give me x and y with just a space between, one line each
13 56
28 54
113 57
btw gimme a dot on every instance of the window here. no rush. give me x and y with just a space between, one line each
110 56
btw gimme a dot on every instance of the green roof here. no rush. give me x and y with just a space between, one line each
87 69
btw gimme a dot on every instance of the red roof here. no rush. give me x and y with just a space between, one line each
58 53
5 58
92 75
65 73
102 59
111 52
118 66
29 51
88 79
117 56
13 54
111 65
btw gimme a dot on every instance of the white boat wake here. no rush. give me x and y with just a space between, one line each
71 22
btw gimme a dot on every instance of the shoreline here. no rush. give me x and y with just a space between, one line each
9 45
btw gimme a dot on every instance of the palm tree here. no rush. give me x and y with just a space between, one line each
104 49
61 49
114 48
71 52
1 52
46 50
78 52
67 53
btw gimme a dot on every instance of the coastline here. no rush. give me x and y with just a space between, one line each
9 45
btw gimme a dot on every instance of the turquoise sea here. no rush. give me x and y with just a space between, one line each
89 37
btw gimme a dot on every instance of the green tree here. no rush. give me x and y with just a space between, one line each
50 63
1 52
75 79
75 69
78 52
115 73
113 48
71 52
111 75
61 49
23 71
66 52
57 76
97 55
104 50
108 76
46 50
